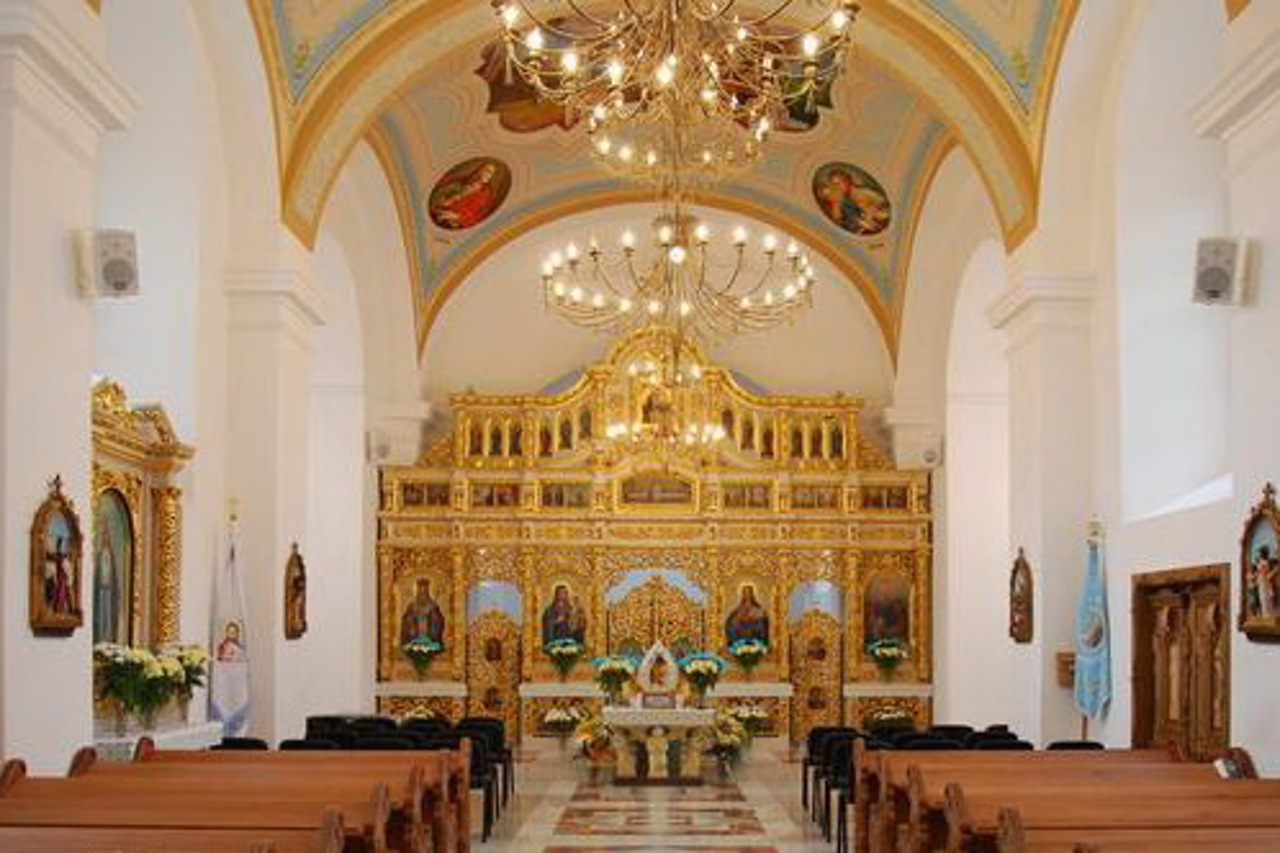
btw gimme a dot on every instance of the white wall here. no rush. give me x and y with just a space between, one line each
164 179
1169 192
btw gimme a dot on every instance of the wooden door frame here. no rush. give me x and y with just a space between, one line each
1142 679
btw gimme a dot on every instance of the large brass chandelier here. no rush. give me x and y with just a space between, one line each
724 77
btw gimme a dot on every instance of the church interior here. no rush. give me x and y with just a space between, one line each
770 426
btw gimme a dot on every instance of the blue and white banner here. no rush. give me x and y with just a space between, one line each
229 678
1093 639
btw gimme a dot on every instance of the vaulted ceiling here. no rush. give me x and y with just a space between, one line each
410 79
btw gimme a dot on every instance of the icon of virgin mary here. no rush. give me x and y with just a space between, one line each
747 621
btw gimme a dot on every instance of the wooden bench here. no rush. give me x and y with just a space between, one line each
880 798
446 776
1015 837
283 801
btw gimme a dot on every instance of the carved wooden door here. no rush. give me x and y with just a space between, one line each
656 610
1181 661
815 668
493 669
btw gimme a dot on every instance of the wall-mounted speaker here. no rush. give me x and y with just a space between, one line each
1220 271
106 263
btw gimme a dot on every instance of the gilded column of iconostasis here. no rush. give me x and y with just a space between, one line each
526 531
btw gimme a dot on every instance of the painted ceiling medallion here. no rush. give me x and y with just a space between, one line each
852 199
469 193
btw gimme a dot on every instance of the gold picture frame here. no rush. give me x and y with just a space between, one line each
56 550
1259 616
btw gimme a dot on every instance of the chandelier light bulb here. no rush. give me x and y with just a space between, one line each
510 14
809 44
768 298
793 251
770 244
599 113
702 234
746 302
664 235
707 94
624 305
677 256
558 289
706 156
628 240
655 307
597 300
604 145
789 291
547 269
741 34
534 40
616 71
557 259
685 309
571 252
624 153
651 158
664 75
569 62
576 294
839 19
739 236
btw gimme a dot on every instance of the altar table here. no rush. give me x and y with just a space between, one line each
657 745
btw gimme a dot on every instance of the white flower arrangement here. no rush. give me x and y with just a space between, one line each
562 721
564 653
614 673
420 651
140 681
749 652
752 717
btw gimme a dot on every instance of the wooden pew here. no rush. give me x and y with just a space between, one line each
881 802
446 776
1014 837
203 823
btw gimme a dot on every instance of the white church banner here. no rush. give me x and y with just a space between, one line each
229 681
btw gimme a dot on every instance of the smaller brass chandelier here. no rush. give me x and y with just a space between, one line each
682 285
668 412
721 78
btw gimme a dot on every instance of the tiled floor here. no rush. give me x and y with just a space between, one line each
562 807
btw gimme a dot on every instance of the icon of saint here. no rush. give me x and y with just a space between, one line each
747 621
422 618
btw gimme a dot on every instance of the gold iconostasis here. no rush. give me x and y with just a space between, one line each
537 520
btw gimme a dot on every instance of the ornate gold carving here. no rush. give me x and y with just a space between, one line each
815 664
493 668
136 452
865 710
167 503
417 706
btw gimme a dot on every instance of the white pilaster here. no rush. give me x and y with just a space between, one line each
1047 321
57 98
273 311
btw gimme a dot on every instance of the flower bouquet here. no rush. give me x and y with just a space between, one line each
561 722
564 653
420 651
595 736
613 674
194 662
703 670
887 654
748 653
753 717
136 680
726 740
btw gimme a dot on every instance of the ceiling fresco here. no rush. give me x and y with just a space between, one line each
929 74
870 158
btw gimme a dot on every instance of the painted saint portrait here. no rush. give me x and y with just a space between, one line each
564 618
1260 569
748 620
422 618
852 199
55 565
1020 600
230 648
469 193
887 608
112 568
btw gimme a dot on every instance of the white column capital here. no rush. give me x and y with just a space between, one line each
1039 301
917 434
51 65
1242 105
274 299
396 431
